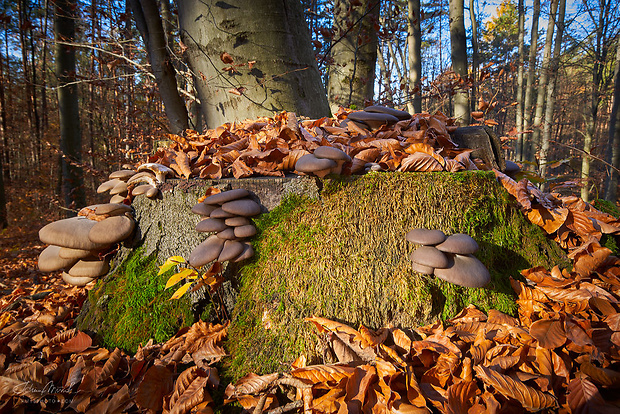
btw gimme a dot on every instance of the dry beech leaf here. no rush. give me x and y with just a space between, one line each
549 333
530 398
461 397
421 162
323 373
111 365
251 384
80 342
584 397
156 384
193 395
603 376
182 161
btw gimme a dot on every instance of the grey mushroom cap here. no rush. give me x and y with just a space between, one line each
50 260
143 177
123 175
425 237
141 189
425 270
108 185
112 230
248 252
117 199
152 192
373 120
465 270
244 207
311 164
72 232
75 254
225 196
232 249
458 243
429 256
206 252
120 188
227 234
220 214
160 170
245 231
112 209
331 153
76 281
92 267
203 209
401 115
210 225
237 221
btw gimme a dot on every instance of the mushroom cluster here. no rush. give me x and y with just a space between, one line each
449 258
227 214
325 160
144 180
77 245
374 117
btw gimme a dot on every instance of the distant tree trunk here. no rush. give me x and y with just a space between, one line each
5 155
611 190
519 114
544 75
271 42
414 42
69 115
526 153
555 63
474 54
458 48
354 53
384 77
149 23
4 222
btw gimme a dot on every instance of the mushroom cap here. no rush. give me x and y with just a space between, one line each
143 177
92 267
156 168
225 196
203 209
152 192
123 175
248 251
401 115
117 199
425 236
112 230
512 168
220 213
331 153
141 189
465 270
244 207
120 188
373 120
309 164
458 243
210 225
232 249
248 230
50 260
76 281
206 252
227 234
237 221
108 185
425 270
429 256
75 254
71 232
111 209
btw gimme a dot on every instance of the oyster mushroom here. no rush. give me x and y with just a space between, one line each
160 170
203 209
211 225
232 249
401 115
206 252
248 252
425 237
243 207
310 164
122 175
146 177
112 230
430 257
334 154
464 270
50 260
76 280
245 231
372 120
227 234
71 232
108 185
226 196
458 243
141 189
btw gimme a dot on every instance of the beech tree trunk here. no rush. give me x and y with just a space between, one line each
252 59
354 53
414 42
519 112
69 115
474 54
458 48
149 23
526 152
611 191
555 63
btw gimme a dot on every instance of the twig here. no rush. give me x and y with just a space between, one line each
261 404
587 154
288 407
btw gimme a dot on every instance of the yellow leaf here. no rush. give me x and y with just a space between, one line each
183 274
181 291
170 263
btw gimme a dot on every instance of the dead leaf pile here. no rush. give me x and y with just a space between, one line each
272 146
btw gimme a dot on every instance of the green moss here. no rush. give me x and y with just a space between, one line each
131 306
607 207
345 257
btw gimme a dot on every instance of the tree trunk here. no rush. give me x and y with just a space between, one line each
354 53
270 42
611 191
5 154
526 153
149 23
4 222
414 42
546 137
384 77
458 48
69 115
519 114
474 55
544 75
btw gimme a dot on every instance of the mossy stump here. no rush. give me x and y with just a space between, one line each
345 257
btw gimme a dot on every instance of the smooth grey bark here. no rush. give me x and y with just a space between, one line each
354 53
526 153
414 43
474 54
149 23
611 190
555 64
542 82
458 48
4 222
273 35
72 180
383 75
520 72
